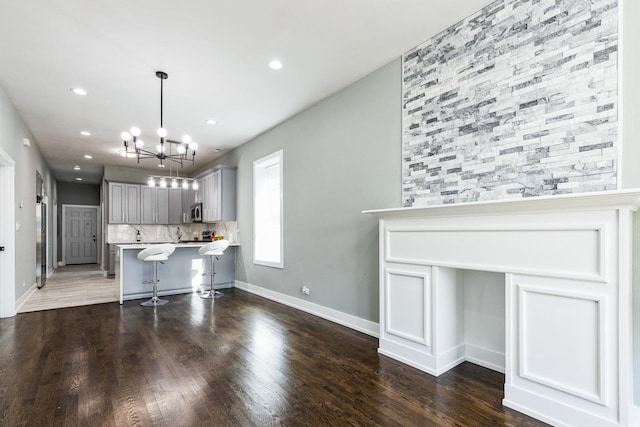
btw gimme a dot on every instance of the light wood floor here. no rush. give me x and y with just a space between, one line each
72 286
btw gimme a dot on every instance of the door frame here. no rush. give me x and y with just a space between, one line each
64 231
7 236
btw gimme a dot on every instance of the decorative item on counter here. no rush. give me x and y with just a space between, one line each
219 237
138 236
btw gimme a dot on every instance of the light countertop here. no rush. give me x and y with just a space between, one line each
177 245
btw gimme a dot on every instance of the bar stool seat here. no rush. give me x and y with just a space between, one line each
213 249
155 254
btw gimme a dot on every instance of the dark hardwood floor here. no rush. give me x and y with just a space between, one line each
242 361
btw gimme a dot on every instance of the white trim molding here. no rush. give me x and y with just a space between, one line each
7 236
25 297
353 322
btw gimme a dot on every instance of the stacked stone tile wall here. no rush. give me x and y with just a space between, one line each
517 100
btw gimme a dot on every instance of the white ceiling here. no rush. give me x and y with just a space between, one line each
216 54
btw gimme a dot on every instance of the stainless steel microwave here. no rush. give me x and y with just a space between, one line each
196 212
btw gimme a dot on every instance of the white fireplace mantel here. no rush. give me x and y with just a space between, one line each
567 263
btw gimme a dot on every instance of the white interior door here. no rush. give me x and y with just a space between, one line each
81 235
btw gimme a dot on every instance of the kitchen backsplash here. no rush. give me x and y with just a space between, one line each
125 233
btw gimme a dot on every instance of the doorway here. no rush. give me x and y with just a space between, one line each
79 234
7 236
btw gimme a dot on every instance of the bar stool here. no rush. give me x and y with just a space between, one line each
213 249
154 254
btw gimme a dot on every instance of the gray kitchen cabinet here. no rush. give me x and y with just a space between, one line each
218 194
162 206
188 199
154 205
124 203
141 204
147 202
175 206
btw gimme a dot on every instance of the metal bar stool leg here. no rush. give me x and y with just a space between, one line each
212 292
155 301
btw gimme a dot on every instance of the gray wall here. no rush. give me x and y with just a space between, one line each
27 161
630 93
71 193
134 174
341 156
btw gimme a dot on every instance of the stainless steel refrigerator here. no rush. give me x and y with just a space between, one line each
41 244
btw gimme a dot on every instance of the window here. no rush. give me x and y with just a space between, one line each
267 211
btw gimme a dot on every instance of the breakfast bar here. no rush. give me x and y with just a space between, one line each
181 273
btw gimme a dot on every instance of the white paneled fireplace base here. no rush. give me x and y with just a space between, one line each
567 273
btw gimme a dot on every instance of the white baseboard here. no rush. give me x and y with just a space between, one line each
485 357
61 264
23 299
353 322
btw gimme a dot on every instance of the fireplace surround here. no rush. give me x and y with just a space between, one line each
567 263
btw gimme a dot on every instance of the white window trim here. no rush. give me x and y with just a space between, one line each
276 157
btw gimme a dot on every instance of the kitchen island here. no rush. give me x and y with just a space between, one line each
181 273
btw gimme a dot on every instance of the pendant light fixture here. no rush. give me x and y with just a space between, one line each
173 181
170 150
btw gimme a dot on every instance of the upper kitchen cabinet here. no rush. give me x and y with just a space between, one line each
154 205
188 199
175 206
217 193
124 203
161 205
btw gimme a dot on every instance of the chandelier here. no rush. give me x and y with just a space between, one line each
168 149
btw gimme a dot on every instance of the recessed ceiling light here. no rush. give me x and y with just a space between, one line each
78 91
275 65
210 122
88 156
217 150
85 133
78 179
76 168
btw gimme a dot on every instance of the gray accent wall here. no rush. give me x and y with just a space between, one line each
27 160
341 156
